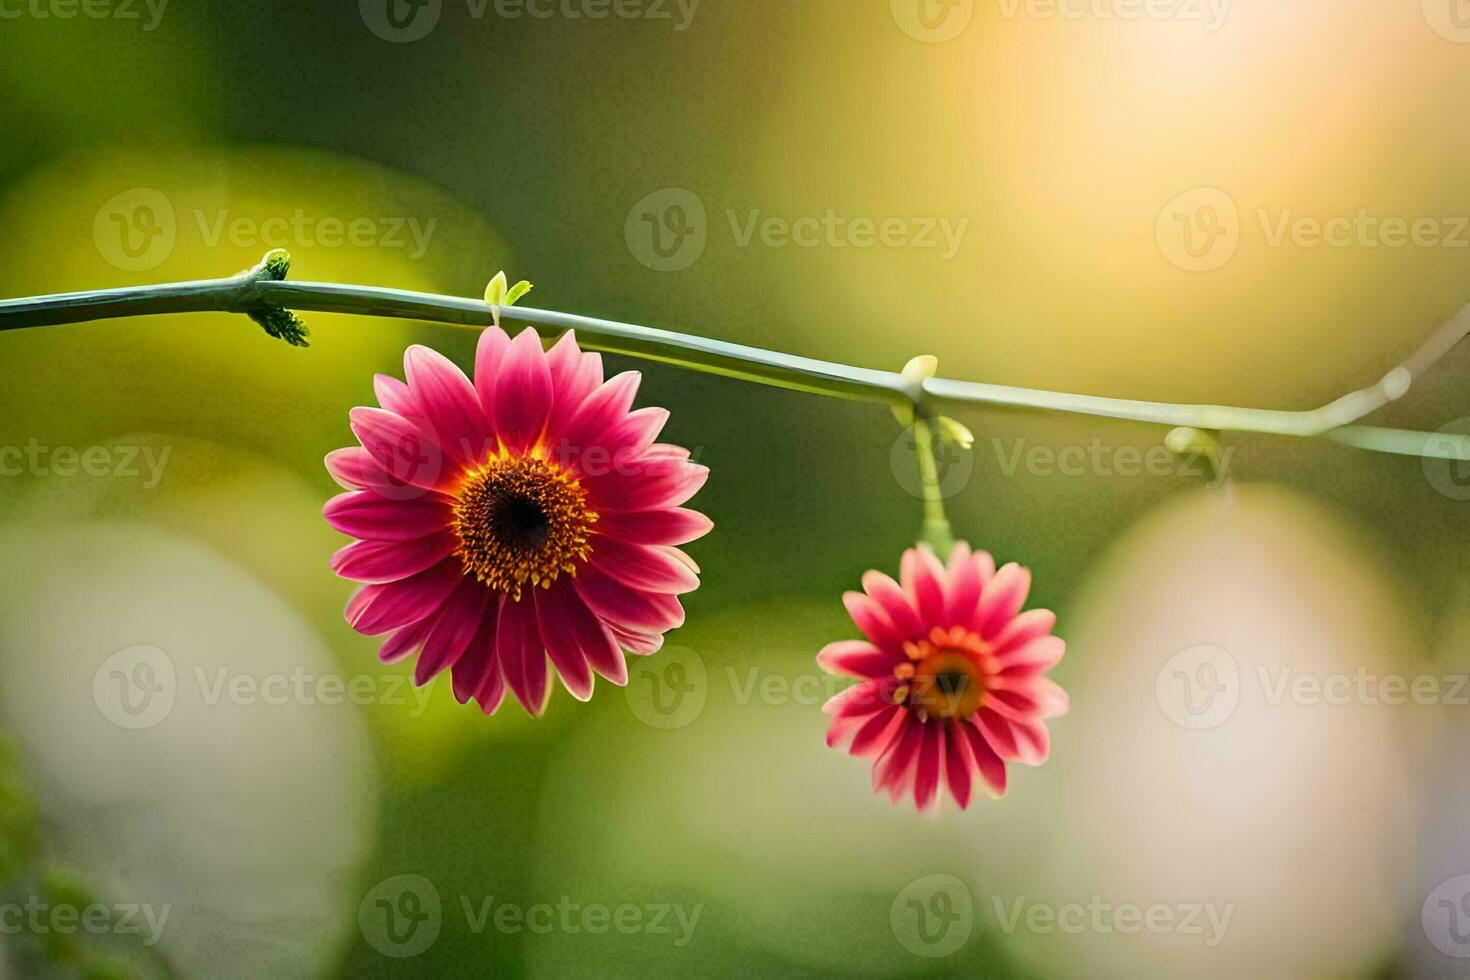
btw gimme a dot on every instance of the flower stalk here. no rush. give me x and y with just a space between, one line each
263 294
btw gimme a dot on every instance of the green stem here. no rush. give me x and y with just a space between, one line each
261 293
935 531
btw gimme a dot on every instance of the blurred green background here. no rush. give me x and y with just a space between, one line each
1055 144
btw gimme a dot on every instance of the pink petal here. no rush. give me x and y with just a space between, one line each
376 562
1036 657
574 376
449 404
355 469
849 717
957 764
364 514
642 644
1025 741
643 568
1019 633
523 654
670 526
406 448
377 609
894 770
962 587
923 576
1001 599
592 637
878 733
900 611
622 444
561 644
856 658
490 353
997 732
860 699
874 623
619 605
405 641
479 667
987 763
931 763
394 396
648 483
522 393
458 620
608 404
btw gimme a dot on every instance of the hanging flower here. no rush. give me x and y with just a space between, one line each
952 676
529 514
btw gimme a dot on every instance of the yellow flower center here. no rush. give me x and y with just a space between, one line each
521 519
944 675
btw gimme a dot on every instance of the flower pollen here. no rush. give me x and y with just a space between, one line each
522 519
945 674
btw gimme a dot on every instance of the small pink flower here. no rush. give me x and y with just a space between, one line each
529 514
952 676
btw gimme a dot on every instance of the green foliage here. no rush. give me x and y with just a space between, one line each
18 832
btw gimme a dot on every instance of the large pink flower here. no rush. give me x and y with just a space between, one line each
529 514
952 676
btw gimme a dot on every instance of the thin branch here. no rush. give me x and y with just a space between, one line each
263 294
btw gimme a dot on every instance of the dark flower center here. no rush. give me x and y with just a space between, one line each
522 519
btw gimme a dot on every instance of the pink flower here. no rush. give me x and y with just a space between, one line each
952 676
529 514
